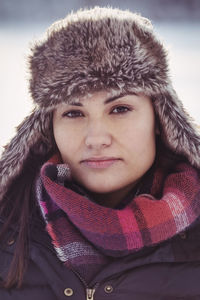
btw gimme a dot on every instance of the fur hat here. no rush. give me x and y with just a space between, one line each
92 50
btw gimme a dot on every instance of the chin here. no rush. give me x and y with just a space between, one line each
100 188
105 188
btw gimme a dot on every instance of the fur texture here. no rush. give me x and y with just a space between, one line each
91 50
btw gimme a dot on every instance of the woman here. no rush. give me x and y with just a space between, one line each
100 185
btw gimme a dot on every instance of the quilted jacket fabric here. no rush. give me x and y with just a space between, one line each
168 271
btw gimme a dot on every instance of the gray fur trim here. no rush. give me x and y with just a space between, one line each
178 131
91 50
32 135
97 49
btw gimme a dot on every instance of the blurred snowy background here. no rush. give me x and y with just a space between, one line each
23 21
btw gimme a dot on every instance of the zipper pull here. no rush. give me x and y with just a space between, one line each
90 294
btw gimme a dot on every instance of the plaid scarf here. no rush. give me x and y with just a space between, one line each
86 235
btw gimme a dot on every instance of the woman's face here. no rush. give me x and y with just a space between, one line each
108 142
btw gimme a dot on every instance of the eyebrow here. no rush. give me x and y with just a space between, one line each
111 99
108 100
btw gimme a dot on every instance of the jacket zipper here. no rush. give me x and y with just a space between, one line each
90 294
89 291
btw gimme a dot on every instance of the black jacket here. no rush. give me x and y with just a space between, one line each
165 272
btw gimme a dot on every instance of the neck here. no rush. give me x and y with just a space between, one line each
111 199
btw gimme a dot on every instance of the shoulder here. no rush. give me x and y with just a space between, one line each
37 233
35 283
38 239
186 245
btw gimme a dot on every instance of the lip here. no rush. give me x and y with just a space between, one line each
100 162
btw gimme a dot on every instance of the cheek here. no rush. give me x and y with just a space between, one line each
63 140
139 135
147 149
140 143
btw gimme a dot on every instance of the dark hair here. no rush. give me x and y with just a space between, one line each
21 193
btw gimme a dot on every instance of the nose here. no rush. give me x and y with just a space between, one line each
98 135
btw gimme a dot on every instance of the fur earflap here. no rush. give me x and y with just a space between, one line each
92 50
33 136
178 131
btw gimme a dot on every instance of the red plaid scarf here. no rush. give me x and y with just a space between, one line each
86 235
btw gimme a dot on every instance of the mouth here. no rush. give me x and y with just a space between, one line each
100 162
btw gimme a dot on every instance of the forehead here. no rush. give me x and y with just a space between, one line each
100 100
100 96
103 98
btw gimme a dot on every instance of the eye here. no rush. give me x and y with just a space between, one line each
121 109
73 114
